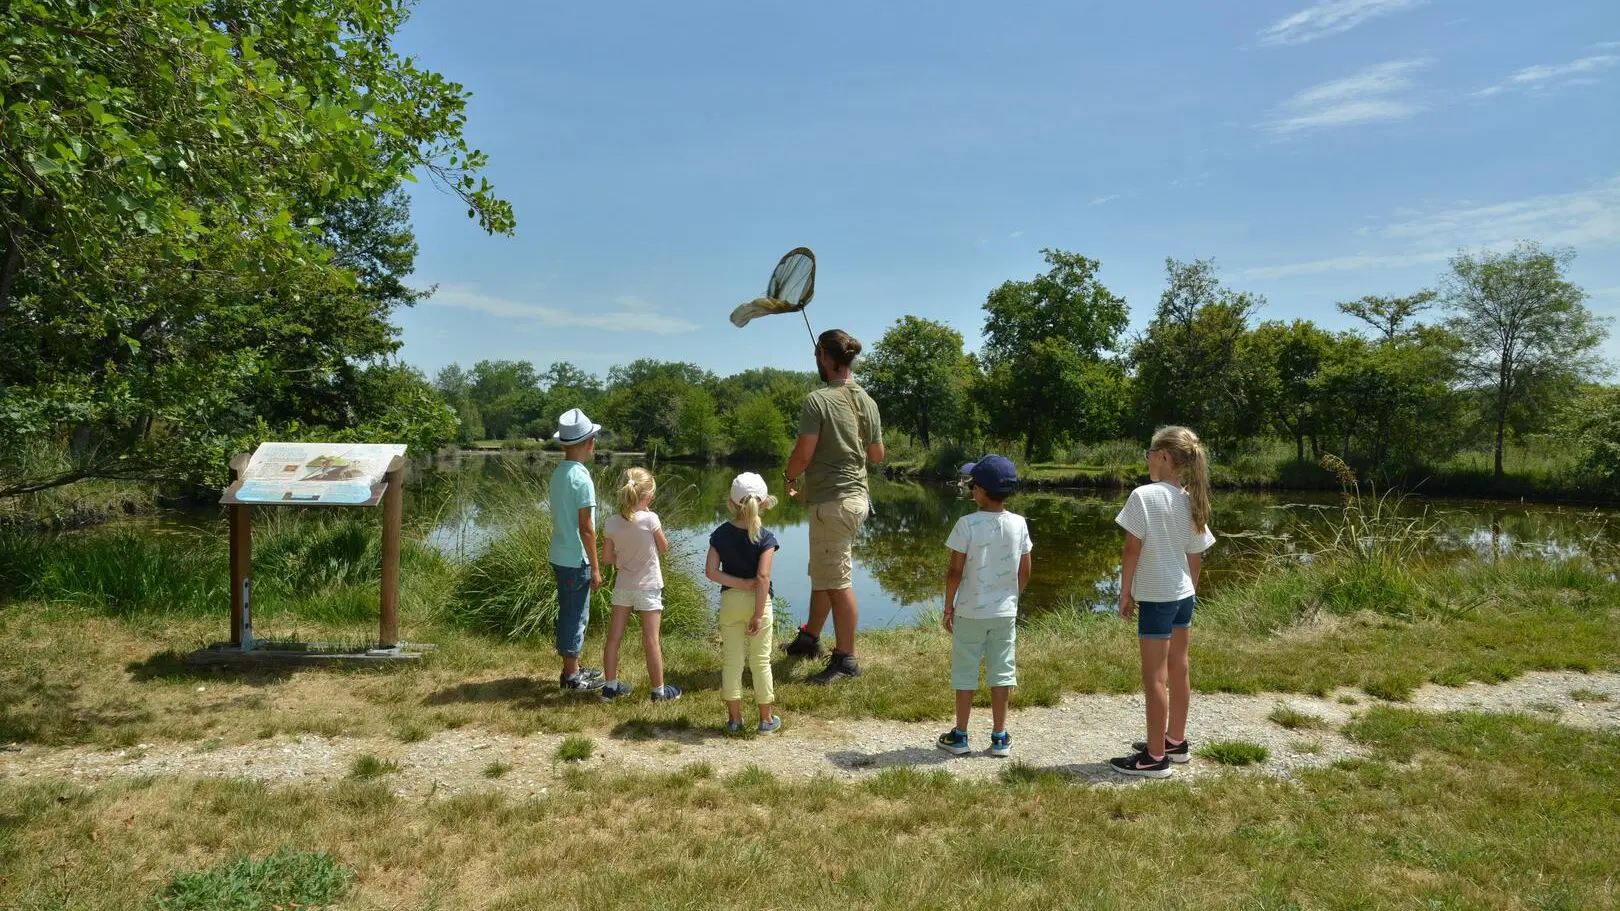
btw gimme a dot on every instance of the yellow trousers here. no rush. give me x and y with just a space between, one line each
737 648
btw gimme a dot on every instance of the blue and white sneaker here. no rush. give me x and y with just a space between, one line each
669 692
612 691
772 726
953 741
734 727
1000 743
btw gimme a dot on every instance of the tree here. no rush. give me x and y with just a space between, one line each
644 398
183 193
758 431
1192 364
698 430
1045 341
1293 355
1389 315
918 374
1592 422
1524 330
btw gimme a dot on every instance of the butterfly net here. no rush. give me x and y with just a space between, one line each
792 285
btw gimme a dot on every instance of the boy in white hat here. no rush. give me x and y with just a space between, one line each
573 545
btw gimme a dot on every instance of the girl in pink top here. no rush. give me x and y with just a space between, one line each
635 538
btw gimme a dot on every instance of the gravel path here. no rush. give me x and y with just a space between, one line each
1077 736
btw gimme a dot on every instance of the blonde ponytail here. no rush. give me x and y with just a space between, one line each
635 485
747 513
1191 462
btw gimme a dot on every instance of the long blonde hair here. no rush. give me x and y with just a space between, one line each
635 485
1191 462
747 512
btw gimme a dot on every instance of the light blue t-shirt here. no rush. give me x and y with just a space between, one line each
571 491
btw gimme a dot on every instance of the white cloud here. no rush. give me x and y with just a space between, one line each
631 315
1102 199
1371 95
1330 17
1584 219
1607 45
1015 235
1549 76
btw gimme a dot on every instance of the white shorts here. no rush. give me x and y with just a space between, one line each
639 600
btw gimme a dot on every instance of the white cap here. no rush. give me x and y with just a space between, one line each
574 427
748 484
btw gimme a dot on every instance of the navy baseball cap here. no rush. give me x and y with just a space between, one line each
994 473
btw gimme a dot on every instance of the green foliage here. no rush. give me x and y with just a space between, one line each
1234 752
1524 332
1593 422
200 247
758 430
285 879
921 379
1195 365
367 766
1045 376
698 429
1286 716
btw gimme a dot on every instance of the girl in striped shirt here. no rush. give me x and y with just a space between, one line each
1166 533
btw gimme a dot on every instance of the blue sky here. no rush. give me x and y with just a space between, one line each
661 157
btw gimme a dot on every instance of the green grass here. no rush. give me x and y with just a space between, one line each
1584 695
285 879
497 769
1293 719
1234 752
367 766
575 749
1449 811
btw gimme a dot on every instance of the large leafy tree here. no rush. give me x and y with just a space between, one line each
1292 356
1046 346
1193 364
920 377
1525 332
644 399
183 195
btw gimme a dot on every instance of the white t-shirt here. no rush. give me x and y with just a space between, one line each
994 543
635 550
1161 515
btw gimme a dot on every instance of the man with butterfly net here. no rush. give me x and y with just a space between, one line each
840 432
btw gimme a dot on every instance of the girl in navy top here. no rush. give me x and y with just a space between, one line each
740 557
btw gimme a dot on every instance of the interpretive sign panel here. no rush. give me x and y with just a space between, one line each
315 474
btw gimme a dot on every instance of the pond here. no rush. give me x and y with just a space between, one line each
900 557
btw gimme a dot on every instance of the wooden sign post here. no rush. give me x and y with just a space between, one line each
310 474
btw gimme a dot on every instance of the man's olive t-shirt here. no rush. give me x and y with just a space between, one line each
846 421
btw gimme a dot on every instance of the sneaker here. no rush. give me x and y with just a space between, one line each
1141 765
581 682
838 667
734 727
803 645
772 726
953 741
1000 744
610 692
669 692
1178 752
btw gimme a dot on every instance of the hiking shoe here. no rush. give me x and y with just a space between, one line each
1179 752
612 691
581 682
669 692
1000 743
1141 765
953 741
772 726
838 667
803 645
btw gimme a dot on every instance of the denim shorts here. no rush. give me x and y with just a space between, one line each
573 607
1155 619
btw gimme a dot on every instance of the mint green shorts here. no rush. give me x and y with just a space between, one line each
994 642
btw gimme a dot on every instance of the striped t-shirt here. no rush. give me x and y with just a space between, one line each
1161 515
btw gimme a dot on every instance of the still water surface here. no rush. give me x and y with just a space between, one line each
900 556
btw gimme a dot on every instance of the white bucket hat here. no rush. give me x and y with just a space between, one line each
574 427
749 484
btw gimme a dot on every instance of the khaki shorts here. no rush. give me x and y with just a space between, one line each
832 539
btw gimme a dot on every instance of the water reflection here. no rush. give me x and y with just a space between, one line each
900 557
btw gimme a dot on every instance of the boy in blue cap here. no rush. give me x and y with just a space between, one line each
989 569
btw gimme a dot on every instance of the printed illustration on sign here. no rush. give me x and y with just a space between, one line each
316 473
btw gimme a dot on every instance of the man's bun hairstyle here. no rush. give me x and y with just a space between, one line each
840 346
